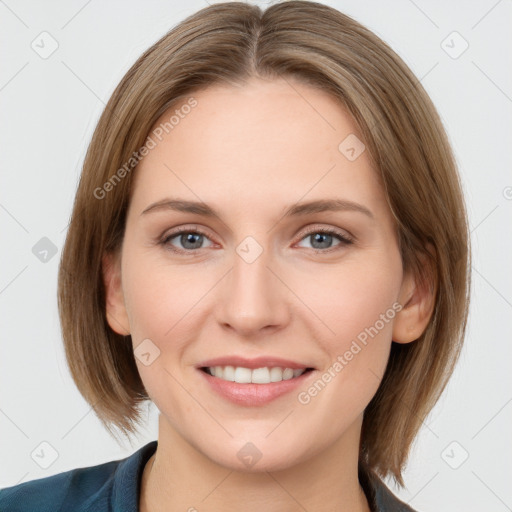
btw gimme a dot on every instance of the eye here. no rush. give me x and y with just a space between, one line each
190 239
321 239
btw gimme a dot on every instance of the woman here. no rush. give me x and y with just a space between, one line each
269 241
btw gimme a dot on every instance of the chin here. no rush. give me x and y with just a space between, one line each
256 456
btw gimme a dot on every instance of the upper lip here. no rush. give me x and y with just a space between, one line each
256 362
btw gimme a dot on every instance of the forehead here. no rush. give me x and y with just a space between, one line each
275 140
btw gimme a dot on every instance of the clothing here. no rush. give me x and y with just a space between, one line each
115 487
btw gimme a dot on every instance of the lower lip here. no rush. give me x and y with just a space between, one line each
254 394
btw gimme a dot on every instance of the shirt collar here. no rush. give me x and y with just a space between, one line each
127 481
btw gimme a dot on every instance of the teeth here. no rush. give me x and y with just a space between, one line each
256 376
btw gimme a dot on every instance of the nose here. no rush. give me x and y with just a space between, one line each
253 299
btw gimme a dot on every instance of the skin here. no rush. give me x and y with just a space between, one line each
250 152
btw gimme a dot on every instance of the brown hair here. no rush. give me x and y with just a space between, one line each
317 45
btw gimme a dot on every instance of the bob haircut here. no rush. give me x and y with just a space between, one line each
314 44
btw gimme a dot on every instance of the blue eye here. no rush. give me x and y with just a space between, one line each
192 240
324 238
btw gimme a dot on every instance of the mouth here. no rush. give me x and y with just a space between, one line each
248 387
263 375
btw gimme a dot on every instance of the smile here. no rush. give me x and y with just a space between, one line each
264 375
251 393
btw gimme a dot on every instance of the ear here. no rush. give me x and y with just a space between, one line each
417 298
116 313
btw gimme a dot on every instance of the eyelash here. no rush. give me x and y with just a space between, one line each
343 238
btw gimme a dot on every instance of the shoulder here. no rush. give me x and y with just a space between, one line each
94 488
387 501
79 487
380 498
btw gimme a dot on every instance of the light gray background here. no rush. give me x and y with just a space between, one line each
49 110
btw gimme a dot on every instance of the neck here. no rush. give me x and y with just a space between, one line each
178 477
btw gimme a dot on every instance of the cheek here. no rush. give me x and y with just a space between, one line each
357 306
160 302
354 303
357 291
156 295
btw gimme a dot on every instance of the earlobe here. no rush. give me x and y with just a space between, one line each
116 313
417 298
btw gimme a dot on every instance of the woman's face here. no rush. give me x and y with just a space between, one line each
256 280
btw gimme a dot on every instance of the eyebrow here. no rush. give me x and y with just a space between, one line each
298 209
